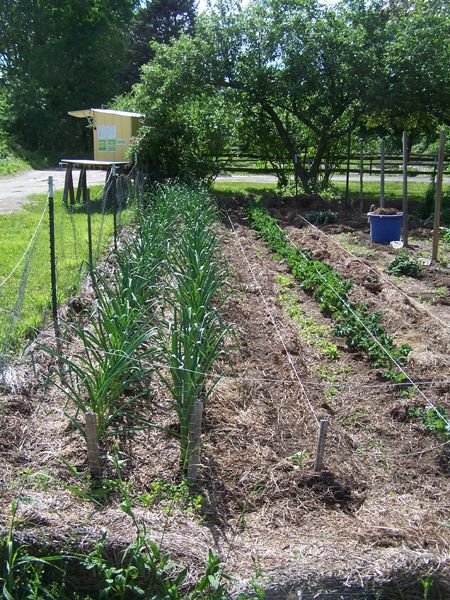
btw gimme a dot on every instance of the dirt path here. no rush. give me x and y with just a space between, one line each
15 191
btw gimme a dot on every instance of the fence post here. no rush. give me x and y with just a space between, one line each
194 441
89 228
51 219
361 174
405 188
382 152
321 441
347 178
114 201
438 201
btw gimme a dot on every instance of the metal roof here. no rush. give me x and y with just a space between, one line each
88 112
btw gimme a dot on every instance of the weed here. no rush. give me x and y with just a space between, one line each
163 493
434 420
314 334
404 264
298 459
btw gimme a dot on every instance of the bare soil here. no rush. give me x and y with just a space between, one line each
378 513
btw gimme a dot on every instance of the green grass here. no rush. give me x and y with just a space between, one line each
231 188
11 165
25 298
393 190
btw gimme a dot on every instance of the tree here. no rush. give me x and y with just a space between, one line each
156 21
56 56
186 128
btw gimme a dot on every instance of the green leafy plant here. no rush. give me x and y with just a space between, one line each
361 328
321 217
434 420
404 264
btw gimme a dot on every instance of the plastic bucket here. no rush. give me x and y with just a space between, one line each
385 228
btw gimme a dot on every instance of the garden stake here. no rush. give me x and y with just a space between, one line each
320 450
92 445
438 202
194 441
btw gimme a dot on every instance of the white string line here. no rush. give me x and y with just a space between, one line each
273 321
376 340
379 274
306 383
27 248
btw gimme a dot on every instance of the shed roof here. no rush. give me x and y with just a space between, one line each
88 112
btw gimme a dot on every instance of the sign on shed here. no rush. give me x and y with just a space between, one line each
113 130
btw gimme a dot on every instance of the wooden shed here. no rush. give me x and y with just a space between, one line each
113 130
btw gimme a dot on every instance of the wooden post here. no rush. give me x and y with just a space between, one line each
194 441
68 187
320 450
361 174
347 178
92 445
438 201
405 188
82 186
382 152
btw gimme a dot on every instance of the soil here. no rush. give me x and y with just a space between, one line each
378 511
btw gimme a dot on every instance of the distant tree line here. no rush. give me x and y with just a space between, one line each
286 80
61 55
289 80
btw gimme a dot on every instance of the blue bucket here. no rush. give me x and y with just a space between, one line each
385 228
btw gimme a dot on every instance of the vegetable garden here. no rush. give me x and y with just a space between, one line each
207 349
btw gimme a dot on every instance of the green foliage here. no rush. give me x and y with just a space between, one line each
445 235
55 57
105 377
192 339
172 494
434 420
321 217
315 334
361 328
404 264
158 21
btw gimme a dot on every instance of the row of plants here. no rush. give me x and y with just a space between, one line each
157 313
361 328
143 571
155 317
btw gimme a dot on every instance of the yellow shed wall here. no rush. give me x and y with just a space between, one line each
112 135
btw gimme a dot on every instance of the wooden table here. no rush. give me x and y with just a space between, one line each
84 166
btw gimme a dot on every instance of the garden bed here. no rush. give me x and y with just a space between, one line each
377 515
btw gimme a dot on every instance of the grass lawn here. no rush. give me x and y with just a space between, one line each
25 298
392 190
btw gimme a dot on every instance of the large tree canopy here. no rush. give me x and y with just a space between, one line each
156 21
302 75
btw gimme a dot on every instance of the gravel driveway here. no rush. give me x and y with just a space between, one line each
15 191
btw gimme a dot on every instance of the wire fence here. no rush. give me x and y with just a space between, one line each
25 269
